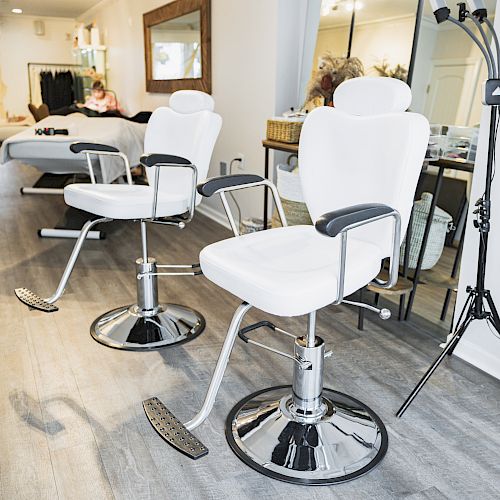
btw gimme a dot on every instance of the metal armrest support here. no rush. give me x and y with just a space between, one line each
91 148
219 185
158 160
342 221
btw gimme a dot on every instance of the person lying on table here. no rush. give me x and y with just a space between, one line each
101 104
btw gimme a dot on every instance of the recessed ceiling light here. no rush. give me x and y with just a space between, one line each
354 5
17 11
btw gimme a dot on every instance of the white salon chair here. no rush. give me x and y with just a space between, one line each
359 166
179 142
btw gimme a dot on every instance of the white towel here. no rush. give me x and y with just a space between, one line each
126 136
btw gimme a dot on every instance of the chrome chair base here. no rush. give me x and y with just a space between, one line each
343 444
131 329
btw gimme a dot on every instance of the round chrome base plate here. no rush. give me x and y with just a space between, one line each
343 444
130 329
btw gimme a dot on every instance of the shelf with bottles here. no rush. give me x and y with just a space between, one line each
452 142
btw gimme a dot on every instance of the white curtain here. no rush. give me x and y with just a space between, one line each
36 89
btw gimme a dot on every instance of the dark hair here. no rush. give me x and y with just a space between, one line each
97 85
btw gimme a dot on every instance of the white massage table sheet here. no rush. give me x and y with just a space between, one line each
52 154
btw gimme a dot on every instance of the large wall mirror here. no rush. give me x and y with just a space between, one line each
378 32
449 68
177 47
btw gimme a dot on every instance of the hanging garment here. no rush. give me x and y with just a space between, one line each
78 88
57 89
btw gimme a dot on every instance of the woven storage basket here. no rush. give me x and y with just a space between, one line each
290 190
284 129
441 224
296 214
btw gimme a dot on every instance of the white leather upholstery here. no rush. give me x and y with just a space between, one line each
344 160
191 101
190 132
288 271
189 135
122 201
370 95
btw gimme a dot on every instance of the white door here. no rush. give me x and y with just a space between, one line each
451 92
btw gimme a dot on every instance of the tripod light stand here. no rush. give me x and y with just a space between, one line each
479 305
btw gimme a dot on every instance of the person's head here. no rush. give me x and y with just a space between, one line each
98 89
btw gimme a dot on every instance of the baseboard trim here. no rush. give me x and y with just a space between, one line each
214 215
478 357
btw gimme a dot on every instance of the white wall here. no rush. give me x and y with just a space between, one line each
255 65
19 45
480 346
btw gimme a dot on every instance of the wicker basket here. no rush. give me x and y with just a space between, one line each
290 190
441 224
284 129
296 214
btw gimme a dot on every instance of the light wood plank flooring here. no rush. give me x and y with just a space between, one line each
71 421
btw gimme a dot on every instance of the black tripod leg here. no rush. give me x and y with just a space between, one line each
469 304
451 344
494 319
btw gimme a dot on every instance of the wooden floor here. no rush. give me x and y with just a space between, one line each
71 421
429 299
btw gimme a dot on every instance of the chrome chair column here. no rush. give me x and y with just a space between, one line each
304 433
147 324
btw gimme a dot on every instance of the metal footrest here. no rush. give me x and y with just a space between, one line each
33 301
172 430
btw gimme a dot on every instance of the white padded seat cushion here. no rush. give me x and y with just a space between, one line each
123 201
191 101
288 271
369 95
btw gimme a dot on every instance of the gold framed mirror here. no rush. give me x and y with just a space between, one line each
177 47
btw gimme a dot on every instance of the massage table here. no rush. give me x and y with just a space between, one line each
51 155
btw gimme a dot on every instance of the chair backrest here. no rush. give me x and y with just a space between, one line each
366 149
188 128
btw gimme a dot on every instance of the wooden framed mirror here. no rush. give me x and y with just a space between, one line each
177 47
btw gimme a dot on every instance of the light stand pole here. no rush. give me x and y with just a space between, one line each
479 304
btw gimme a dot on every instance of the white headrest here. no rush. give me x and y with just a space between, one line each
191 101
365 96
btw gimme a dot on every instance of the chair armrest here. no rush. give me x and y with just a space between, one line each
170 161
78 147
158 159
89 148
234 182
340 221
333 223
214 184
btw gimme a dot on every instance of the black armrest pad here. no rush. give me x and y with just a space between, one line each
154 158
332 223
78 147
210 186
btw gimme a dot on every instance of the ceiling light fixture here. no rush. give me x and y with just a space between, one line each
354 5
327 6
17 11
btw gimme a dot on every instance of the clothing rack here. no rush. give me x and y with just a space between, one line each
48 66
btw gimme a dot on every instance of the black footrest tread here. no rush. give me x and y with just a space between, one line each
172 430
33 301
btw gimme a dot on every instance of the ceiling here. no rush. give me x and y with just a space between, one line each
51 8
380 9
